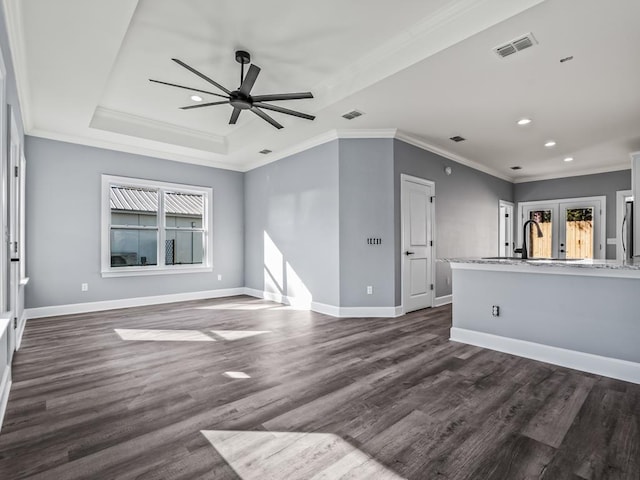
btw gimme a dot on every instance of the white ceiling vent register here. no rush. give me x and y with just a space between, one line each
520 43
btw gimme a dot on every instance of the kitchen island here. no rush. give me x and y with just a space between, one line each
582 314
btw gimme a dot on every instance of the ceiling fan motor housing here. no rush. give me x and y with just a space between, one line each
241 101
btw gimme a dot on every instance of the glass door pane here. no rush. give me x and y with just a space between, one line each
579 236
541 247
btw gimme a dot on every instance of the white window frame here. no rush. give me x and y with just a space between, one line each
161 268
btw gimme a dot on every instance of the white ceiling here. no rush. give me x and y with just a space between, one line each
420 70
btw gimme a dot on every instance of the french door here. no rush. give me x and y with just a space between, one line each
571 228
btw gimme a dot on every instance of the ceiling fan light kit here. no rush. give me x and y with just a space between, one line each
241 99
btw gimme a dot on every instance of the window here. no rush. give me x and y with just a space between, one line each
154 227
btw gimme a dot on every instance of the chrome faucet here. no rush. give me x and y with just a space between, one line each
524 249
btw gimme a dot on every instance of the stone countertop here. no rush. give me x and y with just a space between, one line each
633 264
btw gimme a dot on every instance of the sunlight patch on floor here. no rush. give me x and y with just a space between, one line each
238 334
236 306
163 335
295 456
236 375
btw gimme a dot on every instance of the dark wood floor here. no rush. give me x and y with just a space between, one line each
359 398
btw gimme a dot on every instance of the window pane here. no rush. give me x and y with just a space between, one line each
184 210
183 248
579 232
133 247
541 246
133 206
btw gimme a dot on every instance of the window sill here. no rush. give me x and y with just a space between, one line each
138 272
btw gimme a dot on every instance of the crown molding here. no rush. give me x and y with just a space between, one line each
134 125
587 171
13 21
292 150
416 142
128 148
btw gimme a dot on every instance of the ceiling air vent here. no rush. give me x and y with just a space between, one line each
520 43
265 151
457 138
352 114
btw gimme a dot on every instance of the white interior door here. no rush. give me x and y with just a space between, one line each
417 243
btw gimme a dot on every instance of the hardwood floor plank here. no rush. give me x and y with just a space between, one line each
327 398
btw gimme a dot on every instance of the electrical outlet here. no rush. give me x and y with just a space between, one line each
84 287
369 290
219 276
495 311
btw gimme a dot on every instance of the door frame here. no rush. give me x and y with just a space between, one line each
510 206
620 212
432 215
598 253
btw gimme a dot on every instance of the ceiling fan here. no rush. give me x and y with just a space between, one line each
241 99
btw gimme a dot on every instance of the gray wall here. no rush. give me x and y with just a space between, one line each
583 186
63 224
295 202
466 208
367 210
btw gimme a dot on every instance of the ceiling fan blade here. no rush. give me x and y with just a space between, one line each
276 108
234 116
200 105
201 75
187 88
249 79
266 117
281 96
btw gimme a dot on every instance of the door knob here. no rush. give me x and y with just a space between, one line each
407 253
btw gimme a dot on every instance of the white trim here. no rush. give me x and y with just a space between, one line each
207 159
5 389
620 212
22 324
15 33
160 268
129 118
443 300
416 142
588 171
586 362
510 208
326 309
99 306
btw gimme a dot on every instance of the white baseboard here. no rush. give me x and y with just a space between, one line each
587 362
5 387
326 309
55 310
443 300
21 326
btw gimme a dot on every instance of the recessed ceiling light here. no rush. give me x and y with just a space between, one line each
524 121
568 159
550 143
196 98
